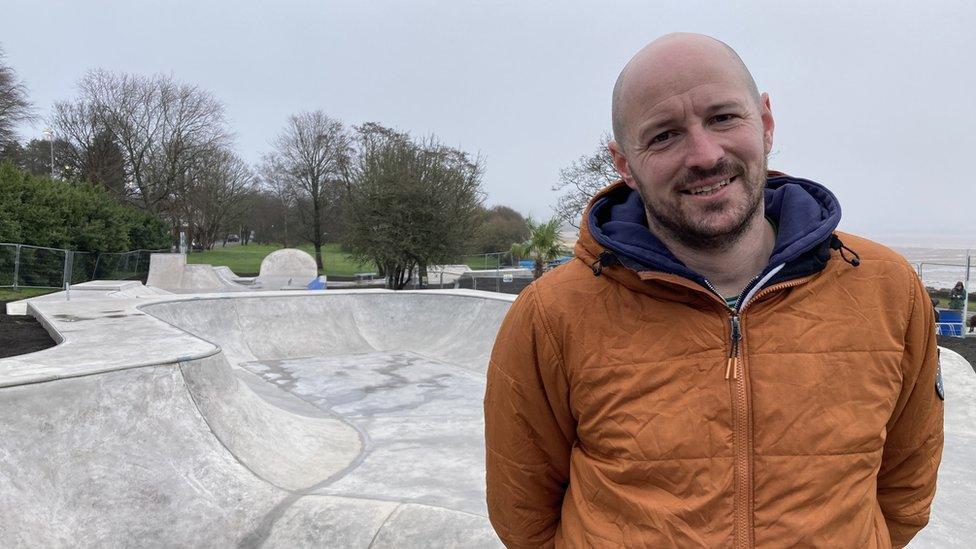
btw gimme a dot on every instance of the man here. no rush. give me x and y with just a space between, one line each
720 368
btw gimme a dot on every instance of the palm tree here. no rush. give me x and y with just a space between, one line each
542 246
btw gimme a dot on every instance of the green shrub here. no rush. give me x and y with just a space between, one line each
39 211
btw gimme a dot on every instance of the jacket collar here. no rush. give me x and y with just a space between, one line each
806 214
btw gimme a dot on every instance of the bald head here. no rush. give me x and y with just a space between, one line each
664 64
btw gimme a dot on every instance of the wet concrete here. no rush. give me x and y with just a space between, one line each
420 420
294 419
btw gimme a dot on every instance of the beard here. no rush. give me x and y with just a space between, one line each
692 229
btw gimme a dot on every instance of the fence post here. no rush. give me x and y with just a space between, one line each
965 299
498 267
68 264
16 265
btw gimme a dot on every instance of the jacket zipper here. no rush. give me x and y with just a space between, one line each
742 430
733 364
742 440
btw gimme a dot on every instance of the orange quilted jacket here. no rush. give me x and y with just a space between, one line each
620 413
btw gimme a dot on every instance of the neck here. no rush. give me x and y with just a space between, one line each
730 269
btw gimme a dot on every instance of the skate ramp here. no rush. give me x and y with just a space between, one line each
286 269
170 272
165 270
225 273
346 419
287 419
449 328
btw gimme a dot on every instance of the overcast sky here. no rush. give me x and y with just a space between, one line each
876 100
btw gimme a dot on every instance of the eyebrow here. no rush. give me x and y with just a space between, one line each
732 104
668 120
653 126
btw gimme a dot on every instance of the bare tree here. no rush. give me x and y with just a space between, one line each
245 220
93 153
582 179
15 107
219 186
266 216
162 127
277 183
311 159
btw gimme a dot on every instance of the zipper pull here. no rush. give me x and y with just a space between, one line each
733 364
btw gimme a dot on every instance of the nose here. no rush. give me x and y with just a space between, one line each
703 150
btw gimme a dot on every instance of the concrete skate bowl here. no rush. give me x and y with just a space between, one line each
346 419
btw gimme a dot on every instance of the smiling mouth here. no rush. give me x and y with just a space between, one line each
711 189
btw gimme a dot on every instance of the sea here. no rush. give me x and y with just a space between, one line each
942 267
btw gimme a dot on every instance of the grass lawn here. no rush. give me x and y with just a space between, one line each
943 297
9 294
246 260
944 304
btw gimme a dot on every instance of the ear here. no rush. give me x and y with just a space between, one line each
766 113
620 163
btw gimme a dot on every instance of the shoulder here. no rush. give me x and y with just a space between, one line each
566 286
561 293
878 258
869 250
882 269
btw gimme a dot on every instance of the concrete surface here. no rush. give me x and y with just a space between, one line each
166 270
286 419
287 268
87 291
227 274
275 419
171 273
951 523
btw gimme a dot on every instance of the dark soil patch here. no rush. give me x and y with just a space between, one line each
20 335
966 346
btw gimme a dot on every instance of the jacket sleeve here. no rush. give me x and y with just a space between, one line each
913 448
529 428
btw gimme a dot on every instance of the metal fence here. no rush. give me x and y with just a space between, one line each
496 260
25 266
131 265
940 276
500 284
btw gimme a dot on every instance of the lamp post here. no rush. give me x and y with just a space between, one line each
50 135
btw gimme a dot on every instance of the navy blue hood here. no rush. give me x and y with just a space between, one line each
806 214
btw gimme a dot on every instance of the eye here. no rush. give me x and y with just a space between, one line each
723 118
661 138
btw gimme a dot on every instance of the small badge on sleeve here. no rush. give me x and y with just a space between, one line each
939 388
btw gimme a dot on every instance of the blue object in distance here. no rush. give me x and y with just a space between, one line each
317 283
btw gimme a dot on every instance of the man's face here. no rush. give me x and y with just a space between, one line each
695 148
